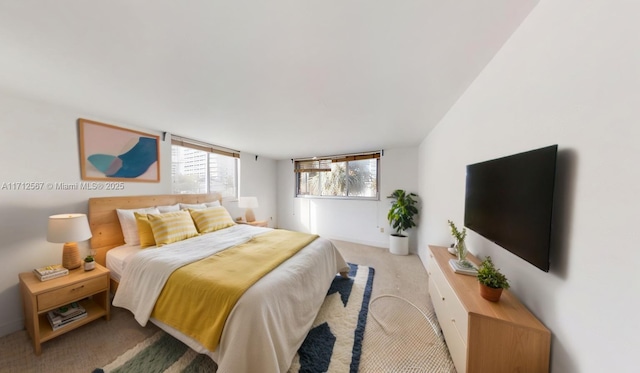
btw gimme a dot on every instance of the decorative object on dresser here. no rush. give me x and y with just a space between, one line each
90 290
467 269
89 263
460 245
491 280
400 216
68 229
484 336
248 203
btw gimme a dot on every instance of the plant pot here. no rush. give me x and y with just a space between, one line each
88 266
489 293
398 245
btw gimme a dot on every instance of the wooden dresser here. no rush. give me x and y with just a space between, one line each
483 336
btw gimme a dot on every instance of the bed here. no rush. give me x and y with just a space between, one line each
271 318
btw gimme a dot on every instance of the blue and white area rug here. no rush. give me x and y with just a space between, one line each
334 343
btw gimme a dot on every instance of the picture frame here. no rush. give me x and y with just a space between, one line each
112 153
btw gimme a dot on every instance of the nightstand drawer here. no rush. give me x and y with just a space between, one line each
71 293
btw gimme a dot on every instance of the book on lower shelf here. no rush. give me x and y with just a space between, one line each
66 315
50 272
467 268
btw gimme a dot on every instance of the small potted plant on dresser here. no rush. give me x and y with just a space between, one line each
89 263
491 280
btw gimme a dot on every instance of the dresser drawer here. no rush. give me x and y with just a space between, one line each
456 345
70 293
450 305
451 314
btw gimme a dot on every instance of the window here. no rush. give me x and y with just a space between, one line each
353 176
198 167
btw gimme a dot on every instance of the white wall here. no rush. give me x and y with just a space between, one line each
40 143
356 221
258 178
569 75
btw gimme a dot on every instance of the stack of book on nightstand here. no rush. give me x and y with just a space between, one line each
50 272
65 315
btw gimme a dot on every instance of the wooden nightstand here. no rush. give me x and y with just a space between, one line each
91 289
256 223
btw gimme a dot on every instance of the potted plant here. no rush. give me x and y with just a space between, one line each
491 280
460 246
400 216
89 263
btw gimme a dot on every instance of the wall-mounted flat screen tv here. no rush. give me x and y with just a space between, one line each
509 201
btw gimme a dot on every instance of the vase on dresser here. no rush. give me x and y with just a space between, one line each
461 251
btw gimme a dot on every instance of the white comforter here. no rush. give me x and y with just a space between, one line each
269 322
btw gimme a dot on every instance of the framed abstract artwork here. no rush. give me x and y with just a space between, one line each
111 153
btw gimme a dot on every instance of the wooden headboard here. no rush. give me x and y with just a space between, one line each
105 225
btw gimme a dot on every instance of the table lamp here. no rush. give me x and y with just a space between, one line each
248 203
68 229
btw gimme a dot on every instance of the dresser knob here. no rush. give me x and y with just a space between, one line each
442 298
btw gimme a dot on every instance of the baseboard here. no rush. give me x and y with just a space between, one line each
11 327
382 245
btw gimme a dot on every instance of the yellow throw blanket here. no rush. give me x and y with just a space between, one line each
198 297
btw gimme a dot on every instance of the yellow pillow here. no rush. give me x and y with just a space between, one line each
211 219
171 227
144 230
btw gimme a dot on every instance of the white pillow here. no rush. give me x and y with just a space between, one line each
168 208
213 204
197 206
129 225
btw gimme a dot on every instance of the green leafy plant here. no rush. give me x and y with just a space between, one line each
461 247
402 211
459 236
490 276
89 259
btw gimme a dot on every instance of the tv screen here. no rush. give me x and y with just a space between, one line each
509 201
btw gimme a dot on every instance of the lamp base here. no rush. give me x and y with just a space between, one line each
249 216
71 256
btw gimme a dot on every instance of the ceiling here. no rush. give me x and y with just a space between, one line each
280 79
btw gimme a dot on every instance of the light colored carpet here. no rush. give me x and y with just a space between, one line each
405 277
404 339
80 350
98 343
